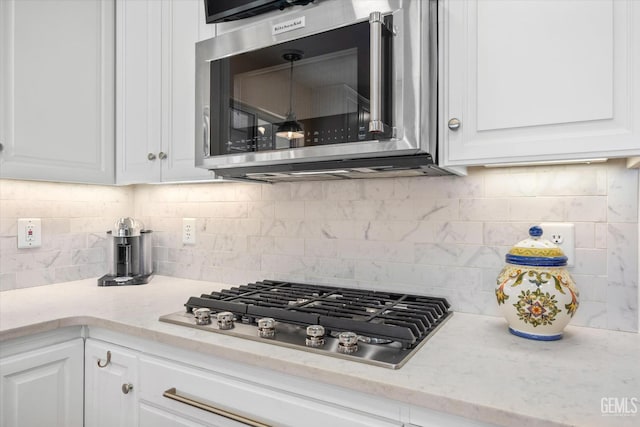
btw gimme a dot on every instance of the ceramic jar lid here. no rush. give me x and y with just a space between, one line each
536 252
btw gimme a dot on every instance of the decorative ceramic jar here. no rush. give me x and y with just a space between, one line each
535 292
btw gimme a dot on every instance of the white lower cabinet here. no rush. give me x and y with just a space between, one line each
142 383
111 383
151 416
173 387
422 417
126 387
213 399
42 386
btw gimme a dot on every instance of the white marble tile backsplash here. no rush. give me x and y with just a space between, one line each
445 236
442 235
74 217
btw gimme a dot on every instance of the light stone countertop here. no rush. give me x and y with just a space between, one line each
471 367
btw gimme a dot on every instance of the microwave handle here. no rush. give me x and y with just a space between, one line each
206 132
375 73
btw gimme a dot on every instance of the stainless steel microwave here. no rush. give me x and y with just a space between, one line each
341 89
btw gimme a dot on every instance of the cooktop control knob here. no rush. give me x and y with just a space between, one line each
347 342
225 320
267 327
315 336
202 316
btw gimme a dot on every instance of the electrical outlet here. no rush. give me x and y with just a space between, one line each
29 233
562 234
189 231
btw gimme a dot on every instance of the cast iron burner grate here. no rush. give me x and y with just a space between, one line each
407 319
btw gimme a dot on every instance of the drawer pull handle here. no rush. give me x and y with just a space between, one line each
173 394
105 364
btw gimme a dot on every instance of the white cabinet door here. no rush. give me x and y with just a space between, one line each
155 98
534 80
43 387
57 90
106 403
182 26
138 86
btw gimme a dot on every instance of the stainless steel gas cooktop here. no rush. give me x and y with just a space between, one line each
379 328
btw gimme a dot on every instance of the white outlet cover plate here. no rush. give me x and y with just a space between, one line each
29 233
189 231
567 231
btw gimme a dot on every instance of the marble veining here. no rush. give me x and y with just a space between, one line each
472 367
74 217
377 233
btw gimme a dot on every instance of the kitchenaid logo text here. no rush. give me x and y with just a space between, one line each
619 406
283 27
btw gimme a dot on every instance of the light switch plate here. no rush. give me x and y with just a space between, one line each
29 233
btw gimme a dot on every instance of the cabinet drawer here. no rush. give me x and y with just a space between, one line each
150 416
243 399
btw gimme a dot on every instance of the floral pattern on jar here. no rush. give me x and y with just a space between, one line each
538 301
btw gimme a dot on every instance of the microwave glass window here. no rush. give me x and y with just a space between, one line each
310 91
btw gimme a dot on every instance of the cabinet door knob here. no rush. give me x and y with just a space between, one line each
127 387
454 124
162 155
151 156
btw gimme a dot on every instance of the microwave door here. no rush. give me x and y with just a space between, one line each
302 98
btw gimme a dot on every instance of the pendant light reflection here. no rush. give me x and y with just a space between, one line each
291 128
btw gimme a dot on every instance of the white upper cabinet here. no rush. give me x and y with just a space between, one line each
183 24
539 80
138 86
57 90
155 89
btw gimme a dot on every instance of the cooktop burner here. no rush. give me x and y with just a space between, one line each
379 328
